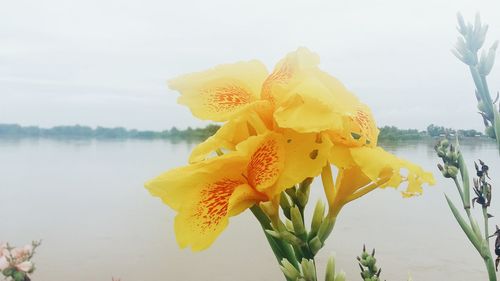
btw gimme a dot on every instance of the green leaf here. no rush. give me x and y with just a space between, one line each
465 227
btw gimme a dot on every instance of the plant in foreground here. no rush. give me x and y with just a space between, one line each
280 131
15 263
470 42
368 266
453 166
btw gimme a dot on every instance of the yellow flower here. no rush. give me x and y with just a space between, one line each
279 130
296 95
207 193
363 169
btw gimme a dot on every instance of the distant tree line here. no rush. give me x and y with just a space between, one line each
394 133
77 131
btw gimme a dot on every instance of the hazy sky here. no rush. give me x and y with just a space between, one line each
104 62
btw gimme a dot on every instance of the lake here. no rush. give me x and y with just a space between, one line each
85 199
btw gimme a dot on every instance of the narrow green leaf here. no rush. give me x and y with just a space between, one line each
465 227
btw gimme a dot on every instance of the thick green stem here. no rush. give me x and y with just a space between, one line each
280 248
492 275
459 188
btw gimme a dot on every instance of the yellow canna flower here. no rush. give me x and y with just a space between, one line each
207 193
363 169
296 95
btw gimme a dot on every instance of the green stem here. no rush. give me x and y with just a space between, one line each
280 248
464 203
492 275
486 231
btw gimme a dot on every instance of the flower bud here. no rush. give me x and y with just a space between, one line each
285 205
308 269
444 143
441 153
298 224
330 270
452 171
340 276
317 219
289 270
315 245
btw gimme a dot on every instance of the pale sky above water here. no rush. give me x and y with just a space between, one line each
106 62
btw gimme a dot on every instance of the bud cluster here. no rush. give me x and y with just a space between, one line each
470 42
368 266
307 271
448 153
306 243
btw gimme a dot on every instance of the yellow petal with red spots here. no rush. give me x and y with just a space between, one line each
201 221
266 161
220 93
288 73
205 195
358 129
175 187
257 119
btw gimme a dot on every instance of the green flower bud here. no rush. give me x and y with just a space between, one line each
364 255
452 171
315 245
340 276
289 270
317 219
326 228
308 269
285 205
330 270
298 224
288 225
441 153
444 143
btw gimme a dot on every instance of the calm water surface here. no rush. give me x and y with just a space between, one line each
86 200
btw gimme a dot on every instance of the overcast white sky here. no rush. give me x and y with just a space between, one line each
105 62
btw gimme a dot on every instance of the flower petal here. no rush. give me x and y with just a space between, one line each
220 93
257 118
200 223
179 185
4 263
375 162
287 73
305 156
26 266
308 108
266 162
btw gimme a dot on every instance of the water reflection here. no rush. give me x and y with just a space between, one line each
85 199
